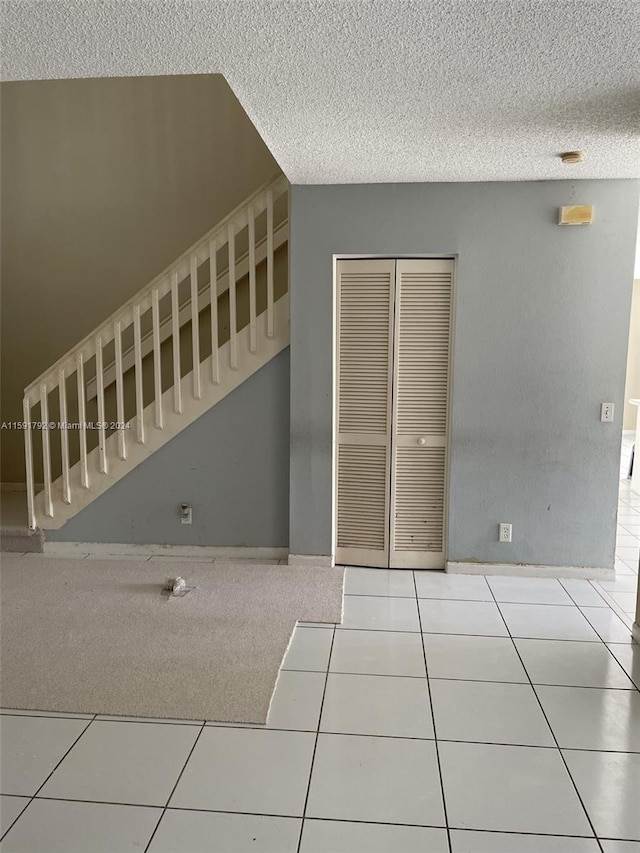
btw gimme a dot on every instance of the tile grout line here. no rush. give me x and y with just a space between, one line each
490 636
433 718
98 802
605 644
172 792
326 819
17 818
553 735
49 775
629 676
315 745
454 678
614 606
570 603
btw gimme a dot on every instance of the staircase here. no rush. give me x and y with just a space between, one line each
206 323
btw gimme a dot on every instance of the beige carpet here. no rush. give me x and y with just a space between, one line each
98 636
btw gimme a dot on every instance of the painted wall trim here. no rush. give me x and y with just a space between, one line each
122 549
530 571
323 560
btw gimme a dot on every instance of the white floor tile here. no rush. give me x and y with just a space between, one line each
510 789
398 584
498 842
461 617
389 780
461 587
570 664
608 783
486 712
10 808
473 658
377 653
296 701
628 656
626 540
31 748
628 554
591 718
247 770
621 846
62 827
529 590
309 650
608 625
377 705
138 764
380 613
623 584
623 570
583 593
548 622
626 600
329 836
193 832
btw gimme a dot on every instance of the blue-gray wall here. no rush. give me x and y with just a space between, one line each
231 466
541 324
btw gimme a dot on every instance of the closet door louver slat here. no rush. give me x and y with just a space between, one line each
420 413
364 370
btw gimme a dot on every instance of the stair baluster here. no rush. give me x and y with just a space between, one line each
138 330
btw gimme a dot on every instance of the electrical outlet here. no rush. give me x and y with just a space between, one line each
186 514
504 532
606 413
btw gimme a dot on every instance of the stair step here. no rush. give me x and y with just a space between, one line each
21 540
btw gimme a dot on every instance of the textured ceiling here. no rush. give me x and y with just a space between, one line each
376 90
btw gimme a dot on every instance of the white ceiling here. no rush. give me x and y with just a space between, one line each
376 90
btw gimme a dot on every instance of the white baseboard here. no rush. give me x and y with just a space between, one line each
323 560
530 571
115 549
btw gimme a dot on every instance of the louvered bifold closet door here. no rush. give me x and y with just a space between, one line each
364 373
420 413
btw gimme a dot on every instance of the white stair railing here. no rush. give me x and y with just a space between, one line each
106 355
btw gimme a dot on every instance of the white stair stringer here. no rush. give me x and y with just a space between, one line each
173 422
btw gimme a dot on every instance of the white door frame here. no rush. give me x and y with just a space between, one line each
453 256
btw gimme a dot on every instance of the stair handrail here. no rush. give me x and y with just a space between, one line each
238 218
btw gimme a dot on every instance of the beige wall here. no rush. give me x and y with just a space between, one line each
632 388
104 182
